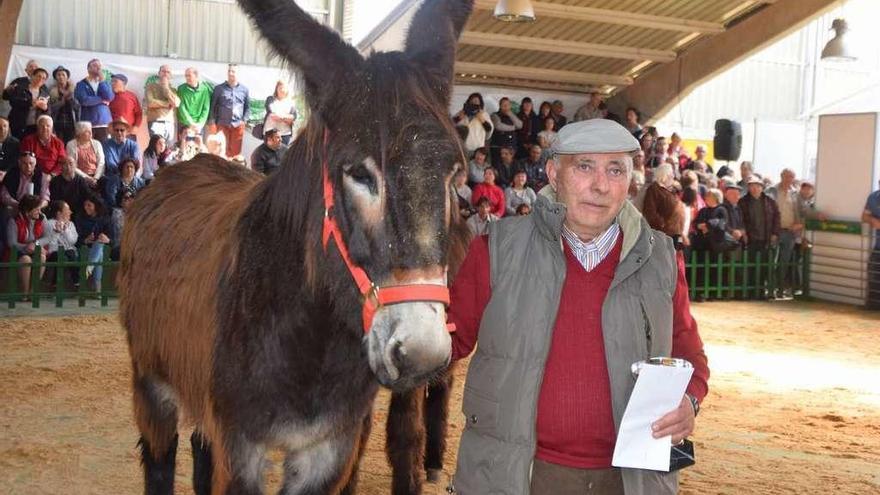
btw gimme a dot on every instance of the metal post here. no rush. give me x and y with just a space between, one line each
11 276
36 265
83 278
59 277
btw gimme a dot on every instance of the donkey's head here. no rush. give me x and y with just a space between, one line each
391 150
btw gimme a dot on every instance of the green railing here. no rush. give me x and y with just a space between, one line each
56 283
747 276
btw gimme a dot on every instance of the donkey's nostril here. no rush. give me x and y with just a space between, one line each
399 355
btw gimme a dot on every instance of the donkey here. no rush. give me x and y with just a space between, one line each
270 310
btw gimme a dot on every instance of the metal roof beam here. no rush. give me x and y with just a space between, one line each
562 46
560 76
607 16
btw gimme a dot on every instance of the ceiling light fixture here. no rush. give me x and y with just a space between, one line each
514 11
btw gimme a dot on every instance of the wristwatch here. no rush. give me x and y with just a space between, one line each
694 403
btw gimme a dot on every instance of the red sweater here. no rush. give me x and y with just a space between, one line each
495 195
48 157
127 106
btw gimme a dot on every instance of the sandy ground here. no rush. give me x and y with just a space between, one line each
794 406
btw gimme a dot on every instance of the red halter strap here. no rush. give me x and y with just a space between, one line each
374 296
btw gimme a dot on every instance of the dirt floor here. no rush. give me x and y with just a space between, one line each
794 406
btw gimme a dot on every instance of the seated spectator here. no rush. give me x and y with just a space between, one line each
69 187
664 212
478 166
633 116
87 153
527 136
488 189
94 95
523 209
547 137
280 113
48 149
27 103
505 167
63 106
636 184
127 180
9 147
463 193
689 181
117 222
535 167
26 179
518 193
126 105
506 125
156 156
191 144
266 159
162 102
590 109
94 233
473 116
119 147
556 110
62 239
215 144
657 155
479 223
25 233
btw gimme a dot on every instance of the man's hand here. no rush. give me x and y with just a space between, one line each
678 423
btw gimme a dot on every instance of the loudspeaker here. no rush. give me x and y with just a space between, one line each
728 140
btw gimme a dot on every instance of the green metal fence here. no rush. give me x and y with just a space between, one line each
56 284
747 275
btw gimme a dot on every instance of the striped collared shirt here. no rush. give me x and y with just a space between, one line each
590 254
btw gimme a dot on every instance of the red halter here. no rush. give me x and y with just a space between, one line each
374 296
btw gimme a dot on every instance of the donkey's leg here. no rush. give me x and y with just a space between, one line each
436 415
323 468
202 463
156 417
246 462
405 441
351 487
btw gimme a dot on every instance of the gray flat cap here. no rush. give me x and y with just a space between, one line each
594 136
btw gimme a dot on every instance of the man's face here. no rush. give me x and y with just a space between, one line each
756 189
61 78
4 129
535 153
483 211
164 72
192 77
731 194
745 170
31 66
593 188
479 158
273 141
701 153
94 68
807 191
489 176
44 128
557 108
27 164
119 132
68 168
38 78
787 177
595 99
232 75
519 180
506 156
117 85
505 106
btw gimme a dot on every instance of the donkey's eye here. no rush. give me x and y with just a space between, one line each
360 174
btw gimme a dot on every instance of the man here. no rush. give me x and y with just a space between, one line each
195 102
745 171
230 109
8 148
267 157
125 104
119 147
24 80
479 223
506 168
791 225
48 149
698 164
534 167
26 179
69 186
761 219
590 109
736 229
561 303
871 216
556 110
94 96
162 103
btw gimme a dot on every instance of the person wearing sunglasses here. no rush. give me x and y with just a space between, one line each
119 147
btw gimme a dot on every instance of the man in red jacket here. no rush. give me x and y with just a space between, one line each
48 149
125 105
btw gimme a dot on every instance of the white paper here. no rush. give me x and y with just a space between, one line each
658 390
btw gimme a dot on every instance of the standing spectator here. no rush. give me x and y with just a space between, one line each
633 116
761 218
473 116
9 146
544 111
115 186
162 103
230 109
505 168
657 156
62 239
156 156
590 109
745 172
87 153
195 102
28 102
94 96
280 113
479 223
266 159
547 137
94 233
791 224
118 148
487 189
25 233
478 166
69 187
871 216
48 149
506 126
556 111
463 193
699 164
531 125
518 193
535 167
677 152
711 238
23 180
29 69
63 106
125 105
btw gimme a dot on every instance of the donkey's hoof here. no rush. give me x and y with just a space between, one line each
434 475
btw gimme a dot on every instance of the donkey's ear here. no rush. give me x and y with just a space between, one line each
318 52
433 35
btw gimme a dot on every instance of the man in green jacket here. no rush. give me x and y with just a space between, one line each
564 301
195 102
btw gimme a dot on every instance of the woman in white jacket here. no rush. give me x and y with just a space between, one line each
62 237
87 153
478 122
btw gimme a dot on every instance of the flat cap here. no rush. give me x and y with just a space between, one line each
594 136
755 180
121 77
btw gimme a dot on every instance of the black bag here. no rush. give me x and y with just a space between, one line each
682 456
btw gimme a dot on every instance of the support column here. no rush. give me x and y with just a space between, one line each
9 10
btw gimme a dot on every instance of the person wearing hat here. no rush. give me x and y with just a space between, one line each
761 220
119 147
125 105
564 301
63 107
